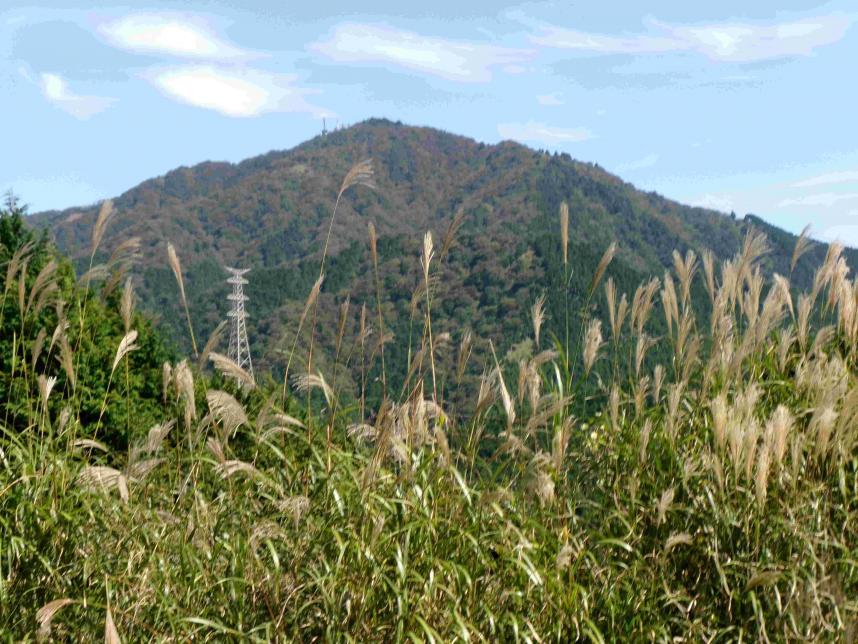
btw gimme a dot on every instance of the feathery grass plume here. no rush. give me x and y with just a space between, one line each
183 381
564 231
126 304
646 432
802 245
761 479
38 345
685 270
778 431
611 297
657 382
754 246
508 406
785 342
804 307
720 410
781 283
230 369
16 262
640 393
663 505
614 407
674 397
214 339
44 283
669 302
177 272
229 468
464 354
46 386
709 273
66 360
821 428
46 614
105 214
102 478
360 174
749 446
677 539
537 315
642 304
450 235
166 380
294 506
126 346
592 344
227 411
307 381
642 346
602 266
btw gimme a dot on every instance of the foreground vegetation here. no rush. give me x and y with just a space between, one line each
702 484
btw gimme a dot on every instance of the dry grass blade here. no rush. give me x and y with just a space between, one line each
90 444
682 538
508 406
231 370
46 614
229 468
111 635
126 346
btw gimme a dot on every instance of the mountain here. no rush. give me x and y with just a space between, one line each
271 214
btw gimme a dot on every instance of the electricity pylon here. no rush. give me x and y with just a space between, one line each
239 347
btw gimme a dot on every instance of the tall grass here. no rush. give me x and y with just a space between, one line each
710 498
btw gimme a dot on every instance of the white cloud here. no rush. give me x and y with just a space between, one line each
461 61
56 90
831 178
726 42
825 199
178 35
845 233
721 203
535 132
638 164
241 92
552 99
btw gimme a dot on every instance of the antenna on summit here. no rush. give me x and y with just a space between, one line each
324 127
239 347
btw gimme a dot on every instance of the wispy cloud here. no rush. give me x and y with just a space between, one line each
638 164
182 35
738 42
536 132
551 100
56 90
721 203
455 60
831 178
236 92
825 199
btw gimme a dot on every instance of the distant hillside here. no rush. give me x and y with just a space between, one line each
270 214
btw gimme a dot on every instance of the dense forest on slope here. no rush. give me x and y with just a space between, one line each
271 213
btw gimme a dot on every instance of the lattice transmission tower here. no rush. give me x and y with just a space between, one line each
239 347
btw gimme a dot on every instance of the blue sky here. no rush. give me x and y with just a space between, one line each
733 105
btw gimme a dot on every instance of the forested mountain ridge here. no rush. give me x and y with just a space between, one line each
271 213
